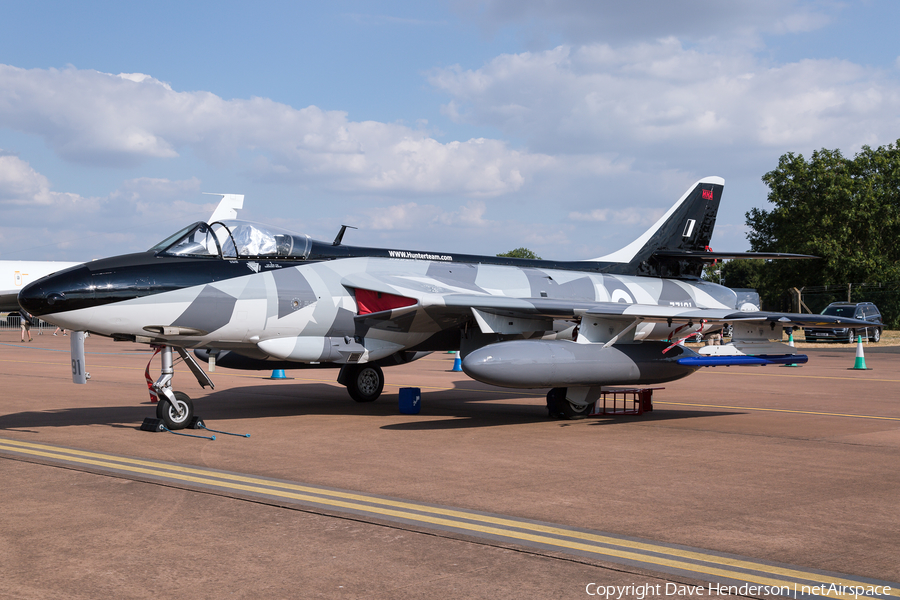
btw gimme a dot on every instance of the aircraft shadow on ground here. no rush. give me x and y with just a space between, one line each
481 420
449 408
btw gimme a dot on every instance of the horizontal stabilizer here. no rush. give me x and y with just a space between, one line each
710 255
742 360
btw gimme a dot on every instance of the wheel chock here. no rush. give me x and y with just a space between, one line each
157 425
152 425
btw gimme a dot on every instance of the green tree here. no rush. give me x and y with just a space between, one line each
712 272
845 211
520 253
735 273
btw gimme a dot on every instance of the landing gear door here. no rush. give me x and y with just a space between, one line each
76 346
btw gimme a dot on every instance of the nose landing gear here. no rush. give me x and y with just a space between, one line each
175 409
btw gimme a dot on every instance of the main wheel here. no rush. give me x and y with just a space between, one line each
366 383
559 407
172 417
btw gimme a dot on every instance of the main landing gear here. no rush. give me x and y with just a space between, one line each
559 406
364 382
175 409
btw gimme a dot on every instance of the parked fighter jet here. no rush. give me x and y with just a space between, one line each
252 296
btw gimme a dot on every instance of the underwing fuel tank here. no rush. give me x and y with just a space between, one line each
559 363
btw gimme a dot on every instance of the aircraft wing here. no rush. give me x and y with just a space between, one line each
446 307
710 255
9 300
435 300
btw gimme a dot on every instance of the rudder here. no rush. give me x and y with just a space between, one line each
667 248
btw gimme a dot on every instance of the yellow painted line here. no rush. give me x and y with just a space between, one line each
740 371
783 410
398 509
34 362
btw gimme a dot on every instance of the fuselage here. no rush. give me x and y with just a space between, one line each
244 303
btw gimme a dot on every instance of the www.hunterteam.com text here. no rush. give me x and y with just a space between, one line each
418 255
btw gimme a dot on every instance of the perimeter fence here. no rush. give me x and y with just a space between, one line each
13 322
886 296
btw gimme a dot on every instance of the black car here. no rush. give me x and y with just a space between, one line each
865 311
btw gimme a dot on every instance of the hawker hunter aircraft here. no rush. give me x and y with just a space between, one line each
251 296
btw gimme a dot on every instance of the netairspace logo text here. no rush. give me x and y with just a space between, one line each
648 590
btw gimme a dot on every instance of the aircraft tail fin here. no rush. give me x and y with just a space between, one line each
675 245
227 208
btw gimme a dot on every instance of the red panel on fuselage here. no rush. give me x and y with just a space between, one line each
373 302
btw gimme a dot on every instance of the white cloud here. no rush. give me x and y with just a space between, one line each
22 186
470 215
401 216
412 215
662 99
141 77
151 198
740 22
626 216
100 119
645 98
42 224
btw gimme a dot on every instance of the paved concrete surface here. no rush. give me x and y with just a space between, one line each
790 465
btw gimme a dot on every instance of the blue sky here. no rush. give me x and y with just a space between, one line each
460 126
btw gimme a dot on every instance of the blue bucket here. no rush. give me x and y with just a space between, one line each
410 401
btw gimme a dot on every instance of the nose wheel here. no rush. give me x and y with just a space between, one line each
176 415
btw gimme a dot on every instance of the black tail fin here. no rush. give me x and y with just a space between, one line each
674 245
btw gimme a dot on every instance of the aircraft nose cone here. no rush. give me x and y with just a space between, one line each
59 292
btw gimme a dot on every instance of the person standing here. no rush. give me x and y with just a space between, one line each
26 321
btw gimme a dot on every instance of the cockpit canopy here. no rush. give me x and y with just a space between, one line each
235 239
